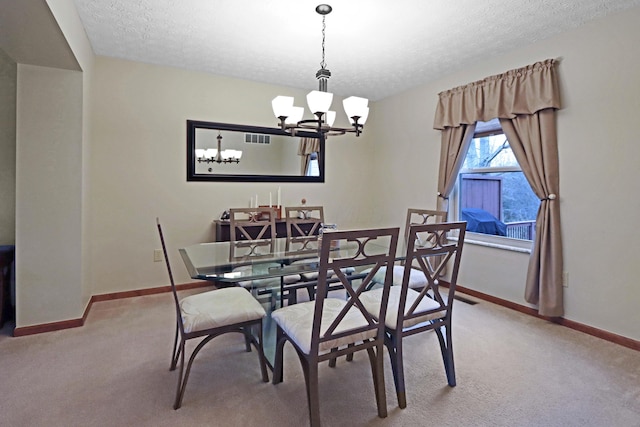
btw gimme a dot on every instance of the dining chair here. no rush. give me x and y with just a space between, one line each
252 234
417 279
303 224
304 229
210 314
326 328
409 311
303 221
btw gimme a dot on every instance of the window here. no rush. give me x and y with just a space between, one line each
494 196
313 168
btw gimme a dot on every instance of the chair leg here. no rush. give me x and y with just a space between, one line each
394 347
350 355
247 338
311 380
446 348
377 371
332 361
279 357
258 344
176 350
179 390
182 382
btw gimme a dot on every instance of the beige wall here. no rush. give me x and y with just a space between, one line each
48 188
8 75
52 268
66 16
138 168
599 152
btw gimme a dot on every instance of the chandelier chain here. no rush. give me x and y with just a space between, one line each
323 64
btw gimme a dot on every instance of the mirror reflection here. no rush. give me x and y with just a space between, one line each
220 151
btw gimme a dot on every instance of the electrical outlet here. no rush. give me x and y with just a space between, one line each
565 279
157 255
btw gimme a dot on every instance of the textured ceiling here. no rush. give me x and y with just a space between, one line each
374 48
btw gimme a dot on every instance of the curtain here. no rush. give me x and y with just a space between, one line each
525 100
453 149
307 147
533 141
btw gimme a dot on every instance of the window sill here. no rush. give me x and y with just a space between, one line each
498 242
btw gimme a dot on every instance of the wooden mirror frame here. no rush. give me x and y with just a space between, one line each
192 125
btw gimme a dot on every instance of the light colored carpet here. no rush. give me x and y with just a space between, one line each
512 370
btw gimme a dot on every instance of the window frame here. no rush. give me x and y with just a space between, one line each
498 242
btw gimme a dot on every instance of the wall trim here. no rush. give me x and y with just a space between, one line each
589 330
75 323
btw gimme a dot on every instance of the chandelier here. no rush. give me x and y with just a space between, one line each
211 155
319 102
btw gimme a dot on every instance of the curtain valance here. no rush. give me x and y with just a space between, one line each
524 90
308 146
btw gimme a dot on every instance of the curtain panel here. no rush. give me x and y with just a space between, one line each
453 149
525 101
533 141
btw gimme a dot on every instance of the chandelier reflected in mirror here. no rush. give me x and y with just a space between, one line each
319 103
211 155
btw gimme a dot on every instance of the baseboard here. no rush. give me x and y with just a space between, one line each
590 330
148 291
75 323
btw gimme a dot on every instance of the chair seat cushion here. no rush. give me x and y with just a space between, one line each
297 321
313 275
218 308
417 279
270 282
371 301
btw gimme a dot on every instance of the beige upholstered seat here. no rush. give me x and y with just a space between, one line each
341 327
219 308
409 311
429 307
208 315
297 322
417 279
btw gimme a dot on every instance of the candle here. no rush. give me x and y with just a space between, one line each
270 199
250 202
278 196
257 200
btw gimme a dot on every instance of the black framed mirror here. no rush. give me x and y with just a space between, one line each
267 154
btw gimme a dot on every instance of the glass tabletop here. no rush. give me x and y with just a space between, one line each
261 259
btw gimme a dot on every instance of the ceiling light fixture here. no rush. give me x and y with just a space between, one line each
210 155
319 102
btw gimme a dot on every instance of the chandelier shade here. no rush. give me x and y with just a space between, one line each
319 103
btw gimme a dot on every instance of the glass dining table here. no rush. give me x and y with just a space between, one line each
261 266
